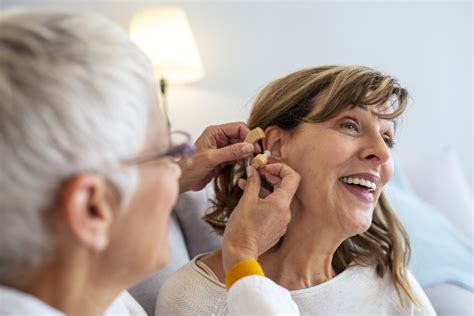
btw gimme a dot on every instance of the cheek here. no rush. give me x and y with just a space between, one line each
159 195
154 201
319 161
139 237
162 191
387 171
316 165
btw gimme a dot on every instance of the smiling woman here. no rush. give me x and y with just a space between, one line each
344 250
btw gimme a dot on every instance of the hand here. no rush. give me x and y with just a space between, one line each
256 224
217 147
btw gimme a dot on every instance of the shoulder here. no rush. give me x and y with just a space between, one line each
425 305
180 283
190 291
125 304
15 302
386 289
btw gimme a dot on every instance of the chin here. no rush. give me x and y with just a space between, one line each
361 224
155 261
365 225
156 266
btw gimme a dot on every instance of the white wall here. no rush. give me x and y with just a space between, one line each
428 46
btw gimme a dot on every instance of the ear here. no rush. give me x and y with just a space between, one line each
274 139
87 209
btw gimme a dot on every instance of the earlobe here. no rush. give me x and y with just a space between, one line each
101 242
273 142
86 210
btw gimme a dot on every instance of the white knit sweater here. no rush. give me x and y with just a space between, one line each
195 290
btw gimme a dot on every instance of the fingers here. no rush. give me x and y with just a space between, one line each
262 194
241 183
228 133
289 180
252 186
272 179
283 178
230 153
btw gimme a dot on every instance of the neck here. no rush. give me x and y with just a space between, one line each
72 285
304 257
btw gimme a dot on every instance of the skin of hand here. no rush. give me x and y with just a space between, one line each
217 147
259 220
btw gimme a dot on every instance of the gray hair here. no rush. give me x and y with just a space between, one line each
75 95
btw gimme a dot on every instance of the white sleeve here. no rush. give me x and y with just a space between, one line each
258 295
125 305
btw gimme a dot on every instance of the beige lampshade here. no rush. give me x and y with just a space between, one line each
165 36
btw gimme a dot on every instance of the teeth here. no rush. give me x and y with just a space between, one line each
359 181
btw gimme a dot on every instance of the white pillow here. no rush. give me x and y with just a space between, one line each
448 299
438 179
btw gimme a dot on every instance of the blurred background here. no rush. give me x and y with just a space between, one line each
212 58
244 45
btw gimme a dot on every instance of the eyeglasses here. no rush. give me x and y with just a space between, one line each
180 147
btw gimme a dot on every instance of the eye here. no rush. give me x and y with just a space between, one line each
390 143
350 125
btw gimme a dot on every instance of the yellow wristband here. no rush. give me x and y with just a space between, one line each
242 269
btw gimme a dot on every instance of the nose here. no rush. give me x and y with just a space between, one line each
375 149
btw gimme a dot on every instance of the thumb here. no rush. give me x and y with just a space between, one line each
233 152
252 187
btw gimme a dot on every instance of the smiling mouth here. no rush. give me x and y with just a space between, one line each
359 183
362 192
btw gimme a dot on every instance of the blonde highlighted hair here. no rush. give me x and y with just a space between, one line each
288 101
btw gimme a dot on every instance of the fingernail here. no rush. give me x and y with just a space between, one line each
247 148
241 183
249 171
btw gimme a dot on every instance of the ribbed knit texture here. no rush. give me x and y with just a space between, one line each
357 290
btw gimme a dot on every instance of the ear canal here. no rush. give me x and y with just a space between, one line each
261 160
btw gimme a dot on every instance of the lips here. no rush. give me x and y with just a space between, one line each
360 192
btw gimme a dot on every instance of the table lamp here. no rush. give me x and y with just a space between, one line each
166 38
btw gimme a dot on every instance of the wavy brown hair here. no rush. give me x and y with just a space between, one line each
288 101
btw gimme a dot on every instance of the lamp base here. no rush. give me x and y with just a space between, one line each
163 86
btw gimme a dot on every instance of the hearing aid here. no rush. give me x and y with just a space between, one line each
255 135
261 160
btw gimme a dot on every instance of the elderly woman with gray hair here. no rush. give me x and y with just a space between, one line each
89 172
